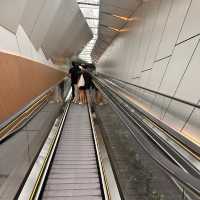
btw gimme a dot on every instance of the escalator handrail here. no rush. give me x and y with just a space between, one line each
153 91
186 179
173 133
23 112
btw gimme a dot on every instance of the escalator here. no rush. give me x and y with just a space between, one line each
115 156
73 163
74 171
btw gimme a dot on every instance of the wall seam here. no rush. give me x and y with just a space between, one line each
165 111
188 64
187 120
39 14
154 25
163 31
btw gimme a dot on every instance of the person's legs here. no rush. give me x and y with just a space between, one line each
81 96
85 97
76 98
99 99
73 91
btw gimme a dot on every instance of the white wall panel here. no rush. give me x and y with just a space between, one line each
81 34
157 73
139 26
26 48
37 19
151 14
11 12
42 56
189 87
191 25
174 23
8 41
176 75
68 14
31 13
177 66
164 10
145 78
60 23
44 21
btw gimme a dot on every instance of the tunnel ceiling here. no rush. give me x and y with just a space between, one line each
90 10
112 18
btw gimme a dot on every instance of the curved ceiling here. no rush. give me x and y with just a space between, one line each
114 15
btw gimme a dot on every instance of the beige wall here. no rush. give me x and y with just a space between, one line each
21 80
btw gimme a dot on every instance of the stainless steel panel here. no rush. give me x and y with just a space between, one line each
159 106
18 152
177 114
192 128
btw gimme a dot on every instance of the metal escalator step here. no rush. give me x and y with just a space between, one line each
71 166
75 155
61 171
73 180
75 198
77 186
72 192
77 158
74 174
77 175
78 162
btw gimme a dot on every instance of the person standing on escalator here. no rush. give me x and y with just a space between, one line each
75 73
84 83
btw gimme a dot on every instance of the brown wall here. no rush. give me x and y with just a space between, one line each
21 80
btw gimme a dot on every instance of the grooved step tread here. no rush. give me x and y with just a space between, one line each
74 174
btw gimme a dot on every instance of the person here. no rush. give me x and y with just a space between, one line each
87 77
82 87
74 73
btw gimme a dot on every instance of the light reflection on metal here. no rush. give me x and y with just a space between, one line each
115 29
118 30
124 18
191 137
